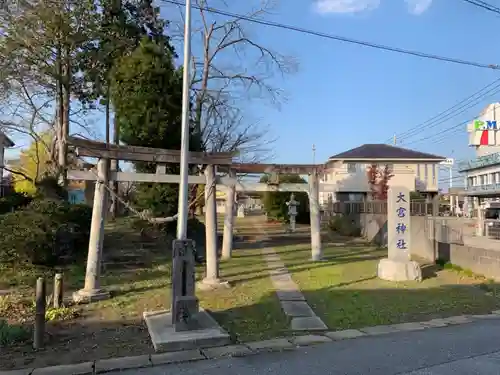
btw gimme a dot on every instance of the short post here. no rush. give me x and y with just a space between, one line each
398 266
227 240
40 301
91 290
184 302
292 211
480 226
58 291
212 261
316 252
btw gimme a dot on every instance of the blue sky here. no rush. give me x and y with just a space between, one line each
344 95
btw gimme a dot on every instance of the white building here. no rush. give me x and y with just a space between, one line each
418 171
482 174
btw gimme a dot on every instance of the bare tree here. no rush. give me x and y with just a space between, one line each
229 67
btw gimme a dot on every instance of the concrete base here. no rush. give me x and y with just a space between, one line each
166 339
395 270
211 284
88 296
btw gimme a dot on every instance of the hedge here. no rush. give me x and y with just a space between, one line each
46 232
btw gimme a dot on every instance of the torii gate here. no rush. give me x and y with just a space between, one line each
104 152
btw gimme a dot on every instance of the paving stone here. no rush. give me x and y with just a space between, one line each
85 368
282 278
285 285
412 326
378 330
485 316
345 334
174 357
279 271
290 295
309 340
24 371
296 308
270 345
277 264
435 323
124 363
308 323
460 319
272 257
227 351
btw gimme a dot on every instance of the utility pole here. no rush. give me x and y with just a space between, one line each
184 167
314 153
394 140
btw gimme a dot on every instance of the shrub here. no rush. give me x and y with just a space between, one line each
47 232
344 225
49 188
13 201
10 334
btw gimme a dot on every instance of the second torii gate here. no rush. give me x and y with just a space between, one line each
223 161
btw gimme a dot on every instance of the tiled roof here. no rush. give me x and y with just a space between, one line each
383 151
6 140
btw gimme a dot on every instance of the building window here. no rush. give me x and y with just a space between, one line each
351 167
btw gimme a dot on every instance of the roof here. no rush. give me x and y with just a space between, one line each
383 151
7 142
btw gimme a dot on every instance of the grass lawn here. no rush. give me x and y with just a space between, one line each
345 292
137 272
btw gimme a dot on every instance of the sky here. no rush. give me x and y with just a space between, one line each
344 95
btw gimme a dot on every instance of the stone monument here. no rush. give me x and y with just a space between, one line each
186 325
241 210
398 265
292 211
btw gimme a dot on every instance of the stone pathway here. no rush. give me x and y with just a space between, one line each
291 298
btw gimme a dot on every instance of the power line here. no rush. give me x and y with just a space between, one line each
457 106
337 37
484 5
451 128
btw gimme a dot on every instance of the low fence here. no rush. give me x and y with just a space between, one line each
417 208
492 229
449 239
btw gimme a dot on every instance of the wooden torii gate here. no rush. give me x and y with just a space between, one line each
223 161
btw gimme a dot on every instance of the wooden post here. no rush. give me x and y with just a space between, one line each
227 241
92 291
40 300
316 252
58 292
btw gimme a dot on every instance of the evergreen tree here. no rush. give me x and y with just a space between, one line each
146 94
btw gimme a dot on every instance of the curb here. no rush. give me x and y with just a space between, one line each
246 349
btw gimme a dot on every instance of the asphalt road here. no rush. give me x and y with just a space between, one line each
467 349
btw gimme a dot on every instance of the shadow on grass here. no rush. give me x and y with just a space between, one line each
339 307
301 262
